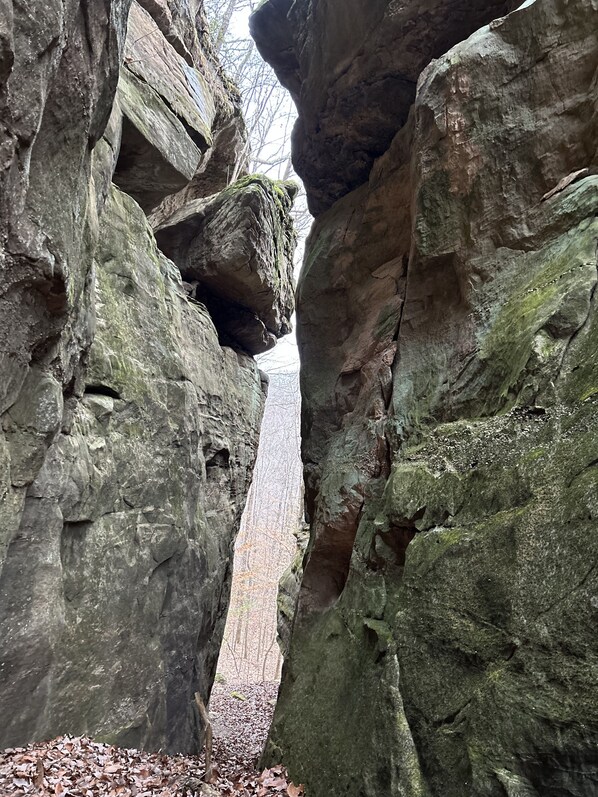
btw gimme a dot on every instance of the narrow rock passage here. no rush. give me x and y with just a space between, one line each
79 767
241 715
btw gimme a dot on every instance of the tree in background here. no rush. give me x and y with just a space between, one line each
266 542
268 108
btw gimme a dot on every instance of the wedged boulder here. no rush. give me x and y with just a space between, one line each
353 74
235 251
443 642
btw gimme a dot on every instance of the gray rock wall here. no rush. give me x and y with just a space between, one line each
444 639
130 410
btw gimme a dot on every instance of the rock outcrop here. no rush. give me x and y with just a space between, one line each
288 590
353 75
443 642
130 409
246 284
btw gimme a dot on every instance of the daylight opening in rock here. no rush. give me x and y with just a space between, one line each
208 587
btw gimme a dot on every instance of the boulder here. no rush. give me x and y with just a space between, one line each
247 284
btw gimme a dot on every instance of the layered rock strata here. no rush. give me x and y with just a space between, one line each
443 642
130 412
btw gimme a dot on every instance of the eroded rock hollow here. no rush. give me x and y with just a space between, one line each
444 642
130 400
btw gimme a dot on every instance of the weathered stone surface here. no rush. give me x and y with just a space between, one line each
183 134
137 503
224 159
182 87
128 429
168 114
288 590
58 74
443 643
248 283
353 73
184 26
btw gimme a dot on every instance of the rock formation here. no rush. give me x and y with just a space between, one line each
130 401
288 590
444 640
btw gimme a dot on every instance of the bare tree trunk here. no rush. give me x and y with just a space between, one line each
224 24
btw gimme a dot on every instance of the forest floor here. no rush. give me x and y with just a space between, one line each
79 767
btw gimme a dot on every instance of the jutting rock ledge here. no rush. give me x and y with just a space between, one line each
444 642
130 401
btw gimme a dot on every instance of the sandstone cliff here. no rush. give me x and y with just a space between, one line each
130 401
444 642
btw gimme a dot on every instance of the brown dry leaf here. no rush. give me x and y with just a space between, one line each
80 767
267 773
273 783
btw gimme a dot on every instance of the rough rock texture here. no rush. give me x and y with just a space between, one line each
129 429
247 284
288 590
444 642
167 115
182 130
49 121
353 75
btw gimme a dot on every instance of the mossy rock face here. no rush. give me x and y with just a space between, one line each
122 616
54 110
444 638
129 423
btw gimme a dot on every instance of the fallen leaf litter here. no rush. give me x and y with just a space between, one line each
79 767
